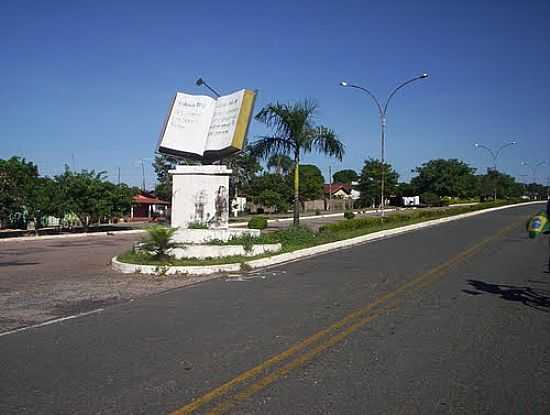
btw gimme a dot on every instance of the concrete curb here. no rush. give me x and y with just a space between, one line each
303 253
70 235
126 268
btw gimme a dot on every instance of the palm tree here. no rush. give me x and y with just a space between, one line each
281 163
294 133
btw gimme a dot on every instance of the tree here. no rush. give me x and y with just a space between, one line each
406 190
451 177
17 178
24 195
495 184
345 176
280 163
370 181
272 199
294 134
90 197
42 200
244 168
162 165
272 190
311 182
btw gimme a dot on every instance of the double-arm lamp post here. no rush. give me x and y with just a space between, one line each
383 110
533 168
494 154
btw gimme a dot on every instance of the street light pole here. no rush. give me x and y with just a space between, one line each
494 155
382 111
533 168
201 81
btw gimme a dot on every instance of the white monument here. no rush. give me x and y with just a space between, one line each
206 129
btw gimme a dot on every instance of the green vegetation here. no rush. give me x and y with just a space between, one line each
25 196
300 237
294 134
140 258
370 182
348 214
159 241
197 225
310 183
257 222
345 176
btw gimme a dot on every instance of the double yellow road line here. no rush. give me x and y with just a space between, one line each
252 381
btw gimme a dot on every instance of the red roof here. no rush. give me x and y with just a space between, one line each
146 200
334 187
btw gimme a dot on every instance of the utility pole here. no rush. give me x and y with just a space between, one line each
143 174
73 162
330 188
119 176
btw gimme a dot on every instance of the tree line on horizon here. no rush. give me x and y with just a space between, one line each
286 182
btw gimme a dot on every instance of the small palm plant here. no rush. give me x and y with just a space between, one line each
159 241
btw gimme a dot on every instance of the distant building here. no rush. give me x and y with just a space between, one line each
146 206
338 190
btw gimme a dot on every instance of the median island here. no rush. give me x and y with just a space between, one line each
290 240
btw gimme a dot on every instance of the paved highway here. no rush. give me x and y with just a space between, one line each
452 319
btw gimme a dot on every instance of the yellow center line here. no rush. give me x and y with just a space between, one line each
300 346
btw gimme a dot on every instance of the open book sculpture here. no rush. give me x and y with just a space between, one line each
206 128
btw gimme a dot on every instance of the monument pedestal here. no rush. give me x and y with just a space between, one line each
200 198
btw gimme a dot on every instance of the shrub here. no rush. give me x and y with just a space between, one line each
430 199
257 222
317 212
197 225
295 236
348 214
159 241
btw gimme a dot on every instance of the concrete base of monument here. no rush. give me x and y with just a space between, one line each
222 251
203 236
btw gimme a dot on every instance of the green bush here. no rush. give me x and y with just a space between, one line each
197 225
430 199
348 214
295 236
317 212
257 222
159 241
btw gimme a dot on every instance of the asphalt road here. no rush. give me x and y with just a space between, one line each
452 319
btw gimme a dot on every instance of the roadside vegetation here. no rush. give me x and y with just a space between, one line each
301 237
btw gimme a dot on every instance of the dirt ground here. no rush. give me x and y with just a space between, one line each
42 280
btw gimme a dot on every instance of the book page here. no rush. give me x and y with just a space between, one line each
224 121
188 123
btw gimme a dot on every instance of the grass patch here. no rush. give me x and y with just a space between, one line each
300 237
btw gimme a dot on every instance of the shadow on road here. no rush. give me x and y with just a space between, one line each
16 264
528 296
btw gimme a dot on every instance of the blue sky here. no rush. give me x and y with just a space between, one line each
92 80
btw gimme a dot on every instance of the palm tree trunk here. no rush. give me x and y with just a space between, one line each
297 190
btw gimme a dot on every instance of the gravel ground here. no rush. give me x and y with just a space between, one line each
46 279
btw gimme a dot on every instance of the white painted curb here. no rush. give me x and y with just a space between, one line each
70 235
126 268
303 253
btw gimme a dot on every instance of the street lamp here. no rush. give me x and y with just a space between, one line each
533 168
201 81
382 110
494 155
